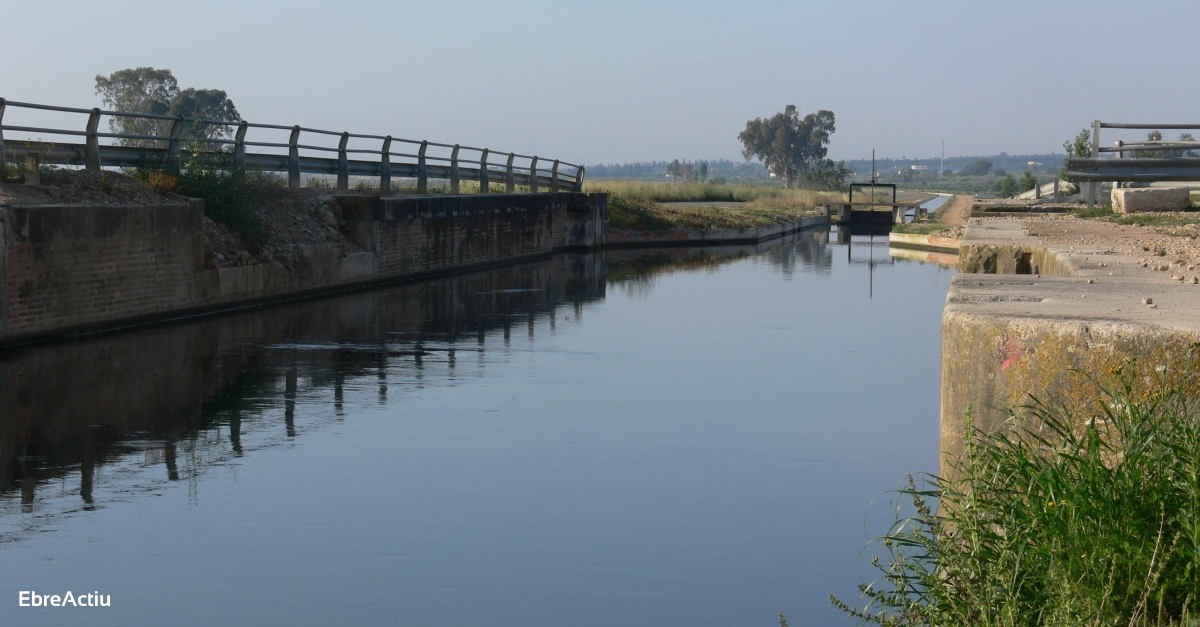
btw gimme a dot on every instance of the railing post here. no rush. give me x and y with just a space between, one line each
385 167
173 146
3 152
510 181
533 186
239 149
483 172
343 167
422 170
91 154
454 170
1092 187
554 177
579 179
294 158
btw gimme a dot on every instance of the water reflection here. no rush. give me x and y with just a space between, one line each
168 403
96 422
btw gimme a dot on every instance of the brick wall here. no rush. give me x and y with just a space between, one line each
78 268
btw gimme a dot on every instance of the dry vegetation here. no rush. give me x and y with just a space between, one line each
647 206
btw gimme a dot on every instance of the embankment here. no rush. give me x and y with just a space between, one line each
72 269
1026 316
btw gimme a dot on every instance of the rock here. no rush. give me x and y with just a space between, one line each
1137 199
1195 280
326 215
1147 301
1177 278
1152 306
1090 281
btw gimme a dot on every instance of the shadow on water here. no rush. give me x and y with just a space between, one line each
127 413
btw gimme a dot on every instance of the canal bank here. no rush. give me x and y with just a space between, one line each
72 269
1028 313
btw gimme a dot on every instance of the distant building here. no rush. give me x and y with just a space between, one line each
919 167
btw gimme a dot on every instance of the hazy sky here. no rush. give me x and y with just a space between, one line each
635 81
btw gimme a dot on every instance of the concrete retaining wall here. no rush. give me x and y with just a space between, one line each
74 269
724 236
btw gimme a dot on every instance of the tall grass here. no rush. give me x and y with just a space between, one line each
1057 519
637 205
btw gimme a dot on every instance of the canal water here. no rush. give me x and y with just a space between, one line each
667 437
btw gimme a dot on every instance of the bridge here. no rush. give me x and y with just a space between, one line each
238 145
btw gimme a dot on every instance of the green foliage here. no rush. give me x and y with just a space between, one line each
1007 187
1079 147
1028 181
976 168
827 175
151 90
786 143
636 213
229 198
1055 519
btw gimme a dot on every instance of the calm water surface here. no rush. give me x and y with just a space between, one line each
673 437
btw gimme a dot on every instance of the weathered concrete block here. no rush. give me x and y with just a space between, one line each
1136 199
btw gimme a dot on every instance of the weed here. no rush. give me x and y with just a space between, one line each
1058 518
1161 252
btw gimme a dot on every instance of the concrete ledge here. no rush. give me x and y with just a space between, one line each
1137 199
1008 332
724 236
924 242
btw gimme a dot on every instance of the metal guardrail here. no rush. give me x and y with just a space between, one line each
179 147
1123 169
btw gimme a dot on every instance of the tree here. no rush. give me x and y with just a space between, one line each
140 90
976 168
702 171
151 90
1079 147
787 144
1007 186
1028 181
675 170
207 104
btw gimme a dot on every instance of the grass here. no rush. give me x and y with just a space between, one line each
919 228
639 205
1060 518
228 198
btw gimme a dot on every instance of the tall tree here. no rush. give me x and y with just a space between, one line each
152 90
787 144
138 90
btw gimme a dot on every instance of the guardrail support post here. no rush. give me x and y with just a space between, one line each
343 167
510 181
1092 187
239 149
294 158
554 177
579 179
533 186
33 169
3 152
173 146
385 167
1056 179
483 172
91 154
422 170
454 170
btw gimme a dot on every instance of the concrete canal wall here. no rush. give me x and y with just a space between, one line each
723 236
70 269
1026 317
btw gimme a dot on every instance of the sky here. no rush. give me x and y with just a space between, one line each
625 81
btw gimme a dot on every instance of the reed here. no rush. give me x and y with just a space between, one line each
1055 519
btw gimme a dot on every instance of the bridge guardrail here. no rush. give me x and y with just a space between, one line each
185 139
1095 169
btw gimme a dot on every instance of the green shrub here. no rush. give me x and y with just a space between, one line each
1056 519
229 198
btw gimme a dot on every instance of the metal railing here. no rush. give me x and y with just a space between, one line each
190 139
1095 169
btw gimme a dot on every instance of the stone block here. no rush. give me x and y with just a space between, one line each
1138 199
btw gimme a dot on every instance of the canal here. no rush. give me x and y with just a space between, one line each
665 437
